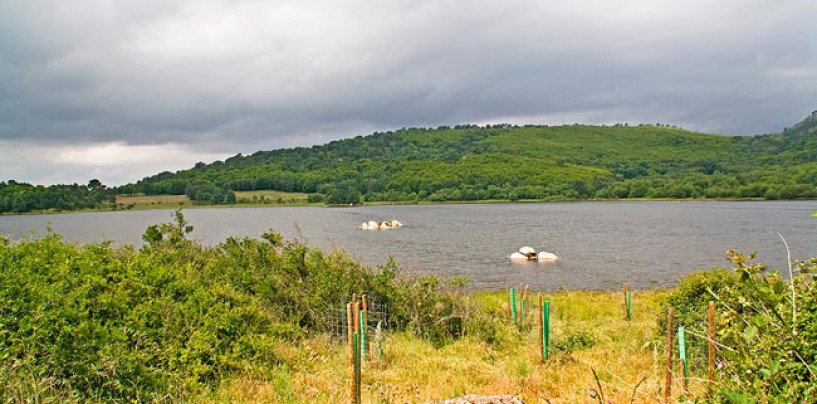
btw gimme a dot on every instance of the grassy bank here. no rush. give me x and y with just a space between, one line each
588 331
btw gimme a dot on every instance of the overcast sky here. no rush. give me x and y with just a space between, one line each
117 90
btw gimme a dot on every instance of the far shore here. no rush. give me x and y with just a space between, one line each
160 205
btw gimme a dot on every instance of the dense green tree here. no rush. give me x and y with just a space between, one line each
20 197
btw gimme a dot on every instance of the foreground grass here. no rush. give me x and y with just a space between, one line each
624 355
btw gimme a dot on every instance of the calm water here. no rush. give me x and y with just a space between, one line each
601 244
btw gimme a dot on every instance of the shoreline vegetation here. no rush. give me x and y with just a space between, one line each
261 320
173 202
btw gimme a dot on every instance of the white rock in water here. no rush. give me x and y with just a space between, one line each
518 257
546 256
370 225
527 251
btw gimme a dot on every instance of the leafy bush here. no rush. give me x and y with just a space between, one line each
690 300
574 341
173 318
770 350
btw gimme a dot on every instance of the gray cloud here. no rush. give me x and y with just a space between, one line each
217 78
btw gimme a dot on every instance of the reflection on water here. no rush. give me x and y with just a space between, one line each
600 244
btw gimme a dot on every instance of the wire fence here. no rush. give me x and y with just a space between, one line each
376 313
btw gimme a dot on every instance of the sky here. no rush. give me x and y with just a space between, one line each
118 90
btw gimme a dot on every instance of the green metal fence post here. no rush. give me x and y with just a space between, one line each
545 329
513 305
629 306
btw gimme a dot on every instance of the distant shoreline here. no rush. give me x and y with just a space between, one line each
186 205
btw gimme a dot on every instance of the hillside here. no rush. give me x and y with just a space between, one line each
505 162
499 162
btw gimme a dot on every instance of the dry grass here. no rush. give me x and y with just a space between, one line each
270 197
152 200
412 370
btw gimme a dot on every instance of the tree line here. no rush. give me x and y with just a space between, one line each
20 197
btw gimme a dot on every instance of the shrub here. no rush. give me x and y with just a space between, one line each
770 350
690 300
574 341
110 324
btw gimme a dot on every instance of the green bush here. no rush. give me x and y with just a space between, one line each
690 300
94 322
574 341
769 350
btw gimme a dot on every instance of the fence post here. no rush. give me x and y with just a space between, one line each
356 382
540 320
668 380
356 317
527 301
364 324
350 329
629 303
509 302
362 336
546 329
513 305
711 344
626 291
682 356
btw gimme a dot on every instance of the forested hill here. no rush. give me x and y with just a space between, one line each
505 162
499 162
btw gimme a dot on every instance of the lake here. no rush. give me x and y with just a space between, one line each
600 244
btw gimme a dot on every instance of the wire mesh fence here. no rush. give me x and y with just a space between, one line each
376 313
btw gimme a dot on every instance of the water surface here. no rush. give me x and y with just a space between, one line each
601 244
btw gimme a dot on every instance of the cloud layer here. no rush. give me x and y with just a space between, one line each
208 79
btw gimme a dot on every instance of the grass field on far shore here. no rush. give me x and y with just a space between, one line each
271 197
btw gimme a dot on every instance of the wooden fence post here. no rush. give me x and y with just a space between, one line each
711 344
668 380
509 303
540 320
350 329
